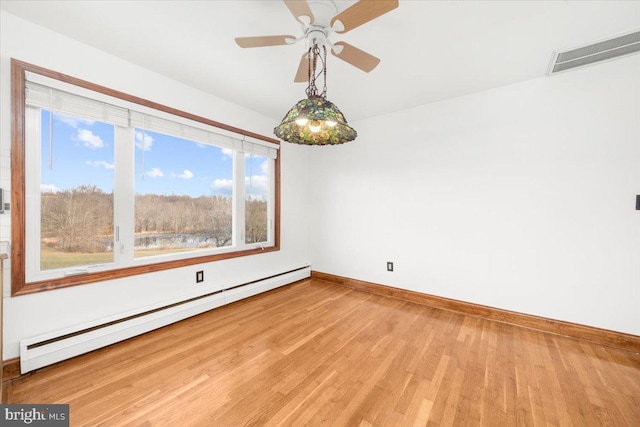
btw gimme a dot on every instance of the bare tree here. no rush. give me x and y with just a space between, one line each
79 219
74 220
220 220
255 220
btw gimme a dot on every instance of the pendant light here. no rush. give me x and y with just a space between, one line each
315 120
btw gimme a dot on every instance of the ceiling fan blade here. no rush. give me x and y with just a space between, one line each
302 75
362 12
356 57
262 41
300 8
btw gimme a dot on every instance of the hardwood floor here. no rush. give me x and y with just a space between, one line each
314 353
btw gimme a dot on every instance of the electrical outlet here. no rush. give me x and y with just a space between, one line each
199 276
389 266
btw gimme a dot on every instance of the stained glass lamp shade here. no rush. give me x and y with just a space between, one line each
315 121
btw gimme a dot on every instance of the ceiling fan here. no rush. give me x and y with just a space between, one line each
320 18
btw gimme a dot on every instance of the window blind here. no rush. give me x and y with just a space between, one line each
41 96
192 133
57 97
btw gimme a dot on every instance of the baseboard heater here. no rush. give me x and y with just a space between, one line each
44 350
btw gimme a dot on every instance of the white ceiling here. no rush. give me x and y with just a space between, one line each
430 50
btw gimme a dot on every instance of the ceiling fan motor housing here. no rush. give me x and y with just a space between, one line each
319 19
317 36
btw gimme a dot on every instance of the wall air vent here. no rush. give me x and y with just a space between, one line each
596 52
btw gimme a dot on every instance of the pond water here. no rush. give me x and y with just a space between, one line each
173 240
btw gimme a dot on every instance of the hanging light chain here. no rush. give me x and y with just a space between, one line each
324 72
316 51
314 54
309 54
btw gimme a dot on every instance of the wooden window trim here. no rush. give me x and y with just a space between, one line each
18 211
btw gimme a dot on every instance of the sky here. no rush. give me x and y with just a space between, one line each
81 152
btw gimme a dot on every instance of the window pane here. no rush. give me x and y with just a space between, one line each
256 190
76 191
183 198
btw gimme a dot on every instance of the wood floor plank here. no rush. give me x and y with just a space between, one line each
318 354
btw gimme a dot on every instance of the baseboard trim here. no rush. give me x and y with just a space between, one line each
592 334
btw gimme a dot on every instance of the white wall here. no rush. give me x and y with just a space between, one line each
520 198
31 315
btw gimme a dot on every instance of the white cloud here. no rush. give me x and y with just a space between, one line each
154 173
100 163
227 152
148 140
222 186
74 122
186 174
256 185
48 188
89 139
264 167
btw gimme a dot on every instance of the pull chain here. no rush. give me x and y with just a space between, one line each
144 137
50 129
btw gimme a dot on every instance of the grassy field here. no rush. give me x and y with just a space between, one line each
52 259
139 253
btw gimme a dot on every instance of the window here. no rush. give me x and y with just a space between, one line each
107 185
257 196
183 198
76 209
